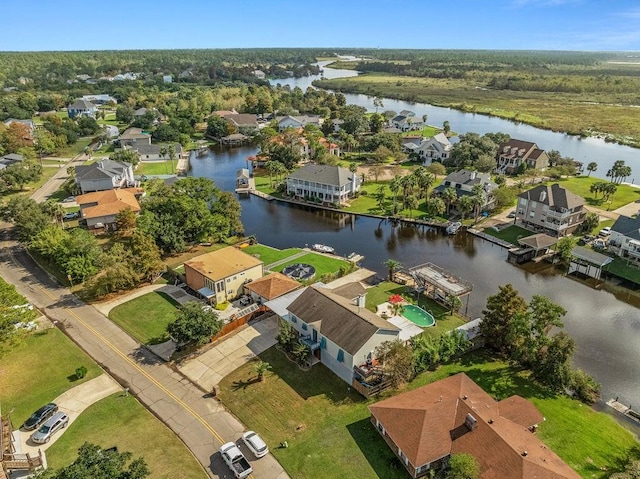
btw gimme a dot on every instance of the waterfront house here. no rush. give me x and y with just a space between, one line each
219 276
550 209
515 153
407 123
299 121
625 238
428 425
244 122
103 175
340 333
259 74
464 181
325 183
134 136
435 148
81 108
150 152
100 209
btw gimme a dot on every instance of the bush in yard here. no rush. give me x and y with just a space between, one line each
81 372
194 324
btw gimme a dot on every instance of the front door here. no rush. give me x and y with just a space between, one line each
314 335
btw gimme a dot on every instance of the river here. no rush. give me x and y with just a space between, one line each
585 150
606 330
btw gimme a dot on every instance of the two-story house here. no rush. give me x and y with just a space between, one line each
340 333
299 121
514 153
81 108
328 184
100 208
103 175
464 182
134 136
550 209
625 238
219 276
407 123
435 148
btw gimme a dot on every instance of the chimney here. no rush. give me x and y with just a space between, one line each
543 196
361 300
473 175
471 422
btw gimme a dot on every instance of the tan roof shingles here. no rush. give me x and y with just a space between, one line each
497 443
343 323
273 286
223 263
109 202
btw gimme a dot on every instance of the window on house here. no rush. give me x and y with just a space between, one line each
294 319
323 343
532 214
304 326
340 356
235 277
228 280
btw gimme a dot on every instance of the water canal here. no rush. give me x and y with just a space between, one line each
606 329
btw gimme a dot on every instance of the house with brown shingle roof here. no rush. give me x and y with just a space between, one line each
514 153
424 427
270 287
99 209
550 209
220 275
341 333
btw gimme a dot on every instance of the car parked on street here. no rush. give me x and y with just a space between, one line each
255 444
40 416
53 424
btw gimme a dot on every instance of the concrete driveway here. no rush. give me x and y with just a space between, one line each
231 352
73 402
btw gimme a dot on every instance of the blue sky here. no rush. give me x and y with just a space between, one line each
481 24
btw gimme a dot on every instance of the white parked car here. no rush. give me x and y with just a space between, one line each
606 231
255 444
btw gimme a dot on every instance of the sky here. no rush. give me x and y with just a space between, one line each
454 24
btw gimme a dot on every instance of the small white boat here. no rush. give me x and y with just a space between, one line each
453 228
321 248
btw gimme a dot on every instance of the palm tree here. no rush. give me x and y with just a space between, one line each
477 198
394 187
380 196
163 153
465 205
412 204
393 265
449 195
261 368
593 166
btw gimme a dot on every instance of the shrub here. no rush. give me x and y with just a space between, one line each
81 372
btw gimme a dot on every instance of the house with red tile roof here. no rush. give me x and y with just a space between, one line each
271 286
424 427
99 209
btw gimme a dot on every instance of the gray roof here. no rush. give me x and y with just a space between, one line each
302 119
590 256
105 168
407 113
133 134
13 157
469 178
325 174
629 227
346 325
398 118
82 105
554 196
140 112
350 291
538 241
243 119
153 148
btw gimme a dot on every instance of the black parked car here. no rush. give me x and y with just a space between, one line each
40 416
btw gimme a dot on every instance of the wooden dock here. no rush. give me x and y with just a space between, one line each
492 239
624 410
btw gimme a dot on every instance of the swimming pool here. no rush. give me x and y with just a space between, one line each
418 316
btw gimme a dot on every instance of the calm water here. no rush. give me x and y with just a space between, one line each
584 150
606 330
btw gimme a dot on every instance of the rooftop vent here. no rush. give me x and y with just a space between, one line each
524 453
464 397
471 422
543 196
490 421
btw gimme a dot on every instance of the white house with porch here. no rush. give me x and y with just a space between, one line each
328 184
341 333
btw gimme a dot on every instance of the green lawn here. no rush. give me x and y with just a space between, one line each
580 186
39 369
510 233
322 264
265 185
122 422
268 254
156 168
75 149
620 268
146 317
323 423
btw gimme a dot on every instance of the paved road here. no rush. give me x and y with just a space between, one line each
200 421
57 180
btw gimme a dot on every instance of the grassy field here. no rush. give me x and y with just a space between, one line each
38 370
580 186
122 422
322 264
568 112
75 149
156 168
324 424
619 267
146 317
270 255
510 233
